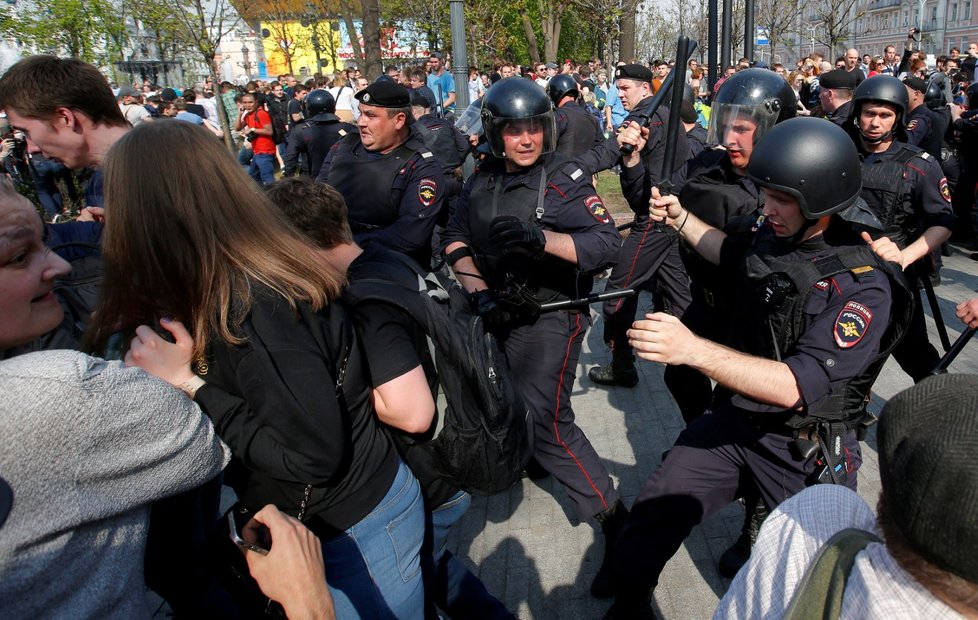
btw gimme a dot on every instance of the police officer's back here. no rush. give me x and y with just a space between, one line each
577 130
315 136
922 125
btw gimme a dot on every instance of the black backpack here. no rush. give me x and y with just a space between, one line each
486 434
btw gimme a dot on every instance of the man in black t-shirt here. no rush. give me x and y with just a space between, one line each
402 375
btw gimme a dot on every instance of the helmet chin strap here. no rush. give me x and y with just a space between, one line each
868 140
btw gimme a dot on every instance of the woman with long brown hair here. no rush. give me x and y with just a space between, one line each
190 241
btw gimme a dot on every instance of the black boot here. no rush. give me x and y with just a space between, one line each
737 555
631 608
612 521
614 373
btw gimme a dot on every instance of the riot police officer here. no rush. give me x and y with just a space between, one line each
719 192
920 121
906 189
392 184
649 257
312 138
577 130
529 228
809 334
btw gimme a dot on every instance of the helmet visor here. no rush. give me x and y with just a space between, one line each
533 132
727 117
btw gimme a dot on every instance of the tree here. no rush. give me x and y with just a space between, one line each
78 28
371 38
202 24
780 18
837 18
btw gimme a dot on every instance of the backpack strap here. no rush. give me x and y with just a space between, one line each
820 592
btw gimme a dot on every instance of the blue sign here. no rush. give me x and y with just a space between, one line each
761 36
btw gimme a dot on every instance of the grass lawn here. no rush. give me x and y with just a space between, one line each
610 191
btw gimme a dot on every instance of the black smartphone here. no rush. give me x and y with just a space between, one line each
237 519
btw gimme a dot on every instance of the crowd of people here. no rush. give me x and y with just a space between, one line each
192 329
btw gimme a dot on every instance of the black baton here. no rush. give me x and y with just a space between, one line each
936 310
953 352
584 302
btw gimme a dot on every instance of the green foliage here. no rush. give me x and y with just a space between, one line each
80 28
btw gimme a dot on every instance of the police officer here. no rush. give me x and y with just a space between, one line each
965 134
906 189
312 138
577 130
695 133
529 228
835 94
649 257
920 121
391 182
809 333
449 145
720 193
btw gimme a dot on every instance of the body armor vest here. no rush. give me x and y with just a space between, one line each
365 183
547 279
778 289
581 132
319 134
439 137
886 191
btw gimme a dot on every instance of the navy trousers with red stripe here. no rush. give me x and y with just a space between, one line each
649 259
542 358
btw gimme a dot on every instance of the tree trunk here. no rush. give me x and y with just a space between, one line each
531 40
352 31
626 40
371 39
222 114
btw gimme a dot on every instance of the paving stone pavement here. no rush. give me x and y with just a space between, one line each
530 550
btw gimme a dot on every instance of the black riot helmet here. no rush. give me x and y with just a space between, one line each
759 95
880 89
812 160
319 101
561 86
517 100
934 95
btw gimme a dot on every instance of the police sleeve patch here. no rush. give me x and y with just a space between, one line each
822 285
597 209
945 190
851 324
911 125
427 190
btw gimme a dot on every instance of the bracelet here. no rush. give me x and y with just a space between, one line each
191 386
684 221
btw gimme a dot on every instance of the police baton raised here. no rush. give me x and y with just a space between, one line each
953 352
584 302
657 99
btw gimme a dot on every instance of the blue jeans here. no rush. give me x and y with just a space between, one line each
262 168
374 569
455 589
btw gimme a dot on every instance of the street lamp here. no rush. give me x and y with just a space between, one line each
813 27
246 60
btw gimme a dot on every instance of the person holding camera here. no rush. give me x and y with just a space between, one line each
257 126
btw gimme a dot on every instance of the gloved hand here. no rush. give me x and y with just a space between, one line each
511 234
484 305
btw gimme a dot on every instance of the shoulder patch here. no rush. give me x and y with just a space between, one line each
426 154
851 324
427 190
945 190
863 269
576 174
342 132
912 125
597 209
822 285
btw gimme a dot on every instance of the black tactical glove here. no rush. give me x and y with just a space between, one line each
484 305
511 234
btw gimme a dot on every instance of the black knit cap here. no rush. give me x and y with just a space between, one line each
385 94
633 72
838 78
928 459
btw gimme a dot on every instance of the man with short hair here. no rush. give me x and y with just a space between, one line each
259 133
389 178
294 109
134 111
441 83
661 69
74 125
852 65
835 94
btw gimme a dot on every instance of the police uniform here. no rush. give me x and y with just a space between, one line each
715 193
577 129
922 131
312 139
839 78
393 198
830 340
649 257
542 349
906 189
